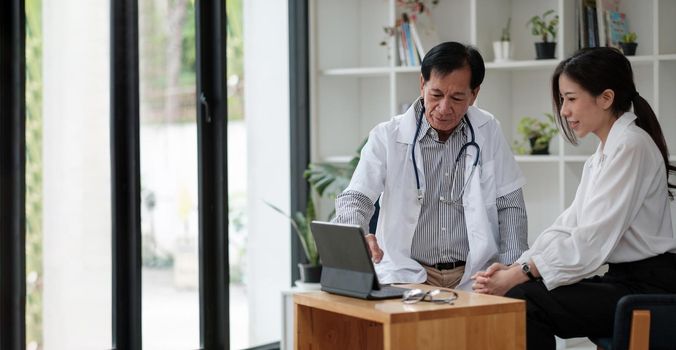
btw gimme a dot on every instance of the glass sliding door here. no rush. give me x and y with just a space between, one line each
78 172
169 191
237 177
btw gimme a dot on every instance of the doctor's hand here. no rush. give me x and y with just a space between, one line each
376 252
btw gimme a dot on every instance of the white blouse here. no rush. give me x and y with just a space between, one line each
620 212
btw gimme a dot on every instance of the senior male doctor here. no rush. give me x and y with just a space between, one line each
450 190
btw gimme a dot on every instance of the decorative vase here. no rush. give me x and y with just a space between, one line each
502 51
544 50
541 150
310 273
629 49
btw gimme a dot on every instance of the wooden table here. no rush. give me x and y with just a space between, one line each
475 321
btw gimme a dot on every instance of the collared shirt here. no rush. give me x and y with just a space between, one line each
441 232
620 212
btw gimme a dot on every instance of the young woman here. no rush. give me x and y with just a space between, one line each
620 214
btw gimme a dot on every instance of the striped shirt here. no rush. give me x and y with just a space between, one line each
441 232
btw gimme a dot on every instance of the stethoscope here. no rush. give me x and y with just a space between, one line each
470 143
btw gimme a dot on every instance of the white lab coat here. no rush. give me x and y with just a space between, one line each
386 167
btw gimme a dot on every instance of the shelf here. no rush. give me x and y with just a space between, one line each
358 72
669 57
641 59
509 65
369 71
536 159
521 65
382 71
411 69
580 159
337 159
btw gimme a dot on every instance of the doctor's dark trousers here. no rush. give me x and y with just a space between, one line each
587 308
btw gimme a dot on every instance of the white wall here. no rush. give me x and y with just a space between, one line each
266 97
76 179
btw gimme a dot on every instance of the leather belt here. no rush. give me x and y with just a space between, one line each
449 265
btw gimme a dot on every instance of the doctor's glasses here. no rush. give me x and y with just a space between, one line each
436 296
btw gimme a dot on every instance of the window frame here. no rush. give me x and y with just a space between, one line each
299 95
12 175
125 176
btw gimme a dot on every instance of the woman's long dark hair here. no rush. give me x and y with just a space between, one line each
598 69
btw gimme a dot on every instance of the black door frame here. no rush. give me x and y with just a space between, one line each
299 94
12 175
125 176
214 276
212 175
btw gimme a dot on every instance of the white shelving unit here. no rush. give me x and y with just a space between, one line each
355 84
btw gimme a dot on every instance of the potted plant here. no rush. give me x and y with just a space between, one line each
328 180
629 44
310 272
538 132
503 48
545 27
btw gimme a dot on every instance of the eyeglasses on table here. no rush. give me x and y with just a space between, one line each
437 296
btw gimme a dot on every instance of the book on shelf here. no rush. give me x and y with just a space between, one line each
599 23
416 39
581 18
603 7
586 10
617 27
401 46
592 29
424 32
415 35
412 51
409 47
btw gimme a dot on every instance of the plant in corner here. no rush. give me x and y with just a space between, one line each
545 27
311 271
328 180
538 133
628 44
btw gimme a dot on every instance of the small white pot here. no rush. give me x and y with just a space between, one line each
502 51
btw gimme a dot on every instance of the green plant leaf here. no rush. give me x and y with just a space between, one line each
540 130
629 37
301 226
542 27
329 179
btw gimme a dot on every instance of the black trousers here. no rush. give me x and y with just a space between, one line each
587 308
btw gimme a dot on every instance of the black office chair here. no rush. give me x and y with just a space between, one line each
642 322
